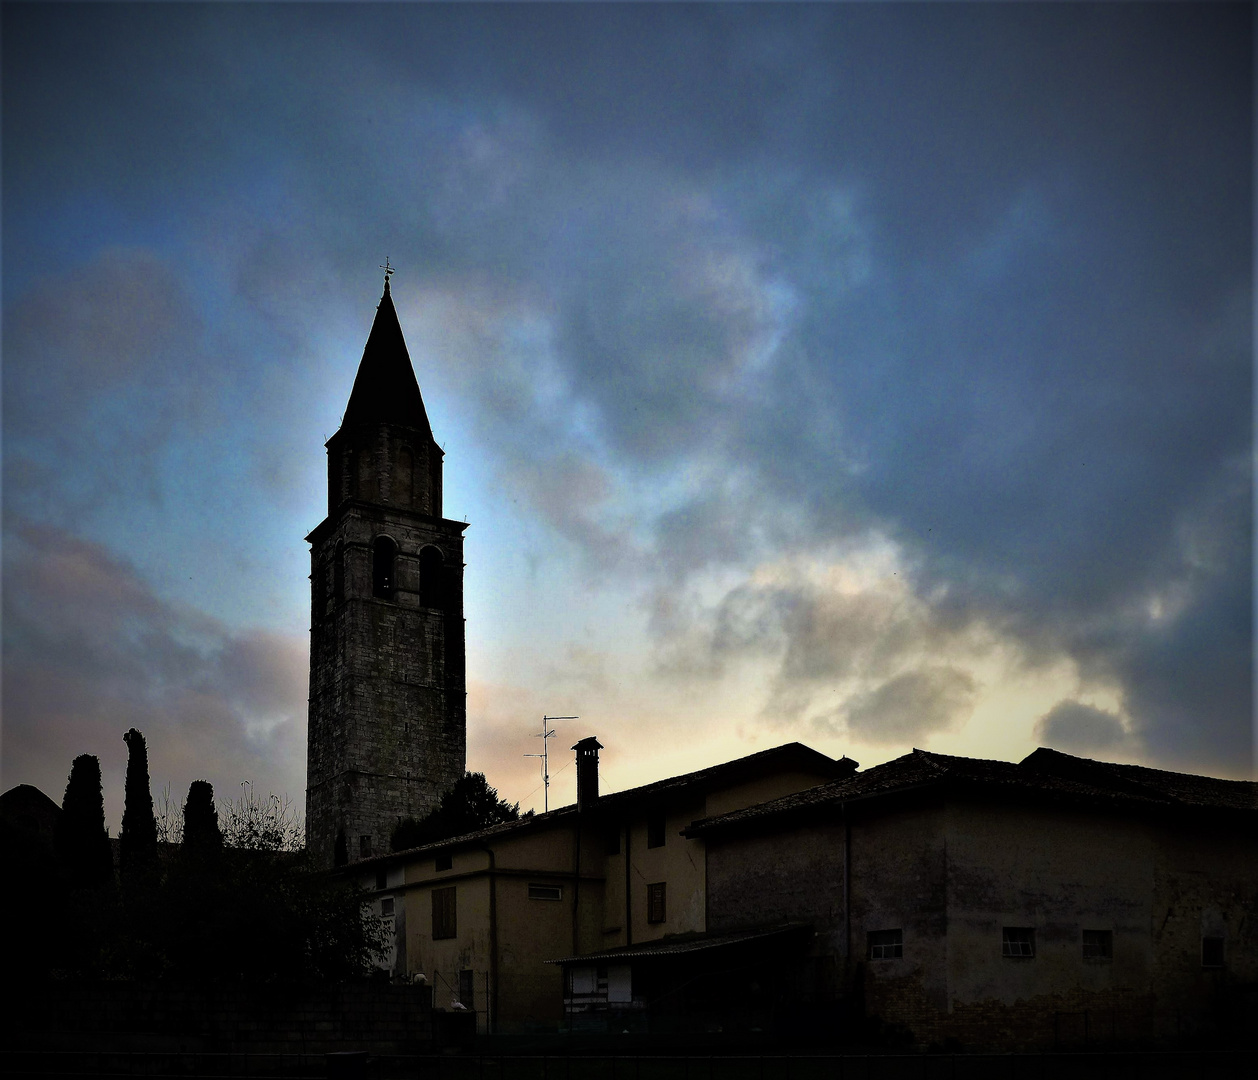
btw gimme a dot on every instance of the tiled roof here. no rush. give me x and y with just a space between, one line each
760 763
1184 788
1045 772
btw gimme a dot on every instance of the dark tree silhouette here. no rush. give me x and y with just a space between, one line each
201 834
82 842
469 806
137 843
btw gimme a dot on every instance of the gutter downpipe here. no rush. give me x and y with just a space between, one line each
628 902
576 887
847 885
492 1004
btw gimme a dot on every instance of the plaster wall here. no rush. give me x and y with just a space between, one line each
759 790
1205 885
1055 871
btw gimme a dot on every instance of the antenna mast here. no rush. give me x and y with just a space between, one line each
546 733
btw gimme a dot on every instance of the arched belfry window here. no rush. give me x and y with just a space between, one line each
383 567
338 572
431 578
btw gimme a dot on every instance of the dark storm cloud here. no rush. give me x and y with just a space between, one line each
913 705
1081 729
973 278
97 366
90 651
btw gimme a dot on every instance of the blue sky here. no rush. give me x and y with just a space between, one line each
875 376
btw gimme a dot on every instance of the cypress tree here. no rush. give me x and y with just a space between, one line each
201 834
137 843
82 842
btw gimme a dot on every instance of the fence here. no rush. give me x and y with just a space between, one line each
1127 1065
468 988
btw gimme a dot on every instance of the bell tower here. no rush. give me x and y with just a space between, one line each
387 732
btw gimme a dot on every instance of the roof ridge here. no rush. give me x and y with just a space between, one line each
931 760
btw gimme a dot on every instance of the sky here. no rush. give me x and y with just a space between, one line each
873 376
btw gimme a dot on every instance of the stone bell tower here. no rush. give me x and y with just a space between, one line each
388 710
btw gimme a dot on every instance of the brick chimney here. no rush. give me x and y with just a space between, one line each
587 773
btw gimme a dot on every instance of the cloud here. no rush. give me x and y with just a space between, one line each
1079 728
91 650
721 290
102 368
913 705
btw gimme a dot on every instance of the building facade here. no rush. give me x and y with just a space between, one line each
388 715
482 917
1051 902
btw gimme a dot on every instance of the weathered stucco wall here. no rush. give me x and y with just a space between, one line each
951 876
898 874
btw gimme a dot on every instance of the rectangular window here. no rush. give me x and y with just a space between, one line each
444 862
444 921
364 847
611 840
545 892
1098 944
1212 952
886 944
467 991
655 903
386 906
1017 942
655 831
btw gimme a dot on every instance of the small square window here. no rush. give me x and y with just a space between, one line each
545 892
1017 942
655 831
444 862
444 916
655 902
1212 952
1098 945
386 907
886 944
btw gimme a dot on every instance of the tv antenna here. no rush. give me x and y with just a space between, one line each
546 733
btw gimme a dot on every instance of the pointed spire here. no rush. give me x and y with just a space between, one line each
385 389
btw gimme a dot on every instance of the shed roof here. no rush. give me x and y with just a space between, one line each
684 944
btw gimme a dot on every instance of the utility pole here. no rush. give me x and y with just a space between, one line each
546 733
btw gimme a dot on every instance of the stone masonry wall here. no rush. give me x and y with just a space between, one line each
387 699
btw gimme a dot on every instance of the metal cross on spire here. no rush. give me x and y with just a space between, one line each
388 270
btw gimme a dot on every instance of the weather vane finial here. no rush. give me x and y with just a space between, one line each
388 271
